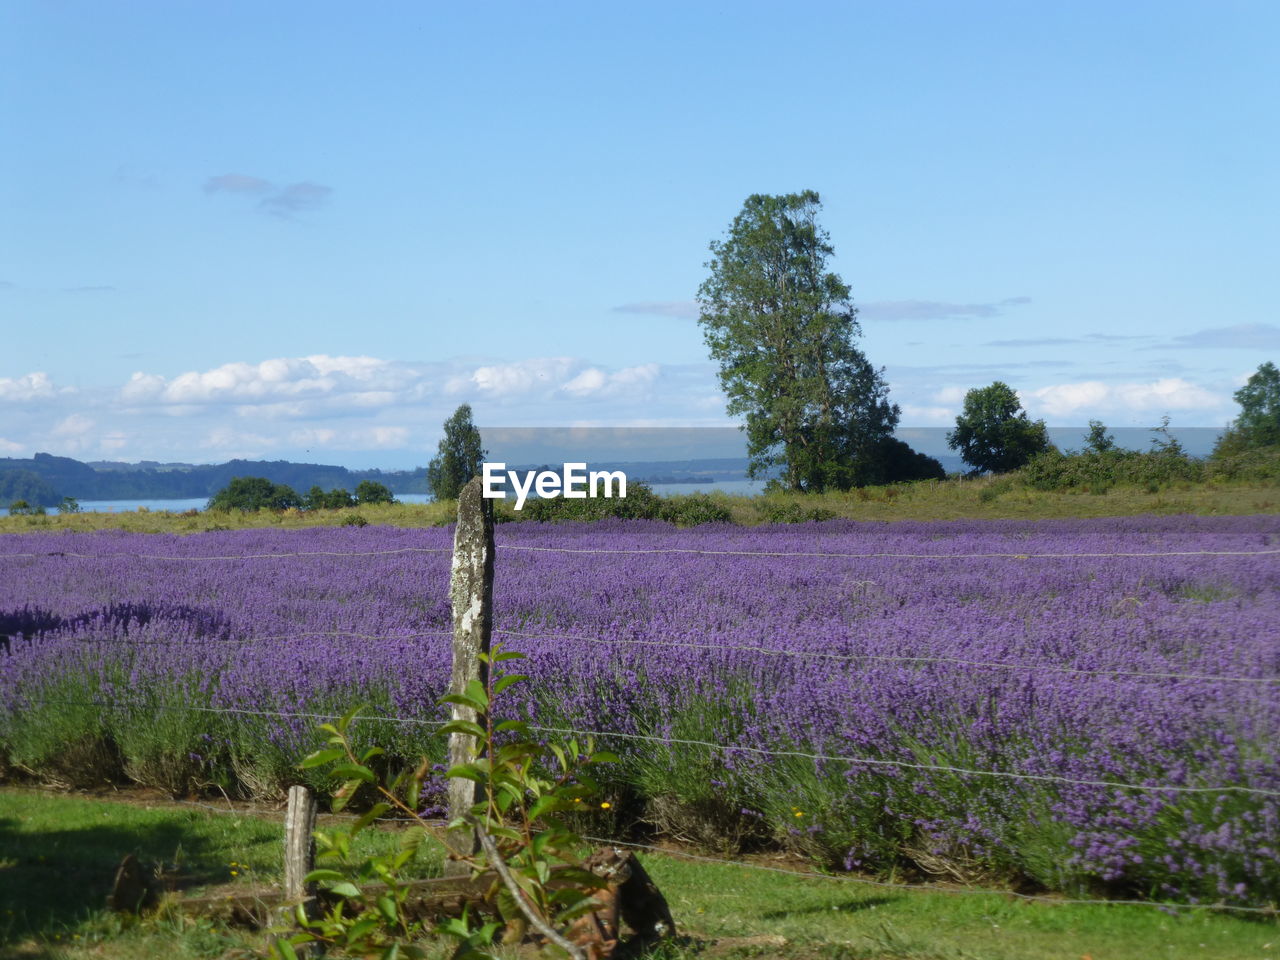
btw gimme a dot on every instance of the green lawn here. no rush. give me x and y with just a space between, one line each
58 853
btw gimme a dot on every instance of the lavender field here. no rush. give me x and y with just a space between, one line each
1074 705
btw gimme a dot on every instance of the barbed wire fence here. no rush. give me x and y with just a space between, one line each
471 594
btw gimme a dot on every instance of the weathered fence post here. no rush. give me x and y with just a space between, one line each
299 852
471 593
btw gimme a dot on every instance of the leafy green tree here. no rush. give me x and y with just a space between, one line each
782 328
460 456
254 493
1098 440
370 491
69 505
1259 422
993 432
318 498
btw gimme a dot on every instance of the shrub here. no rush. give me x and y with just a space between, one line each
254 493
1256 464
20 508
354 520
1259 422
778 510
640 503
318 499
370 491
693 510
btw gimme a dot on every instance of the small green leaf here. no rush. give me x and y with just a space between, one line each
508 655
360 929
372 814
413 838
321 757
344 794
345 889
322 876
544 804
465 700
353 771
387 907
475 690
464 726
604 756
506 681
467 771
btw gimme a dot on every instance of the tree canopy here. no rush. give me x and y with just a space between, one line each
783 329
318 498
370 491
1258 424
254 493
459 457
993 432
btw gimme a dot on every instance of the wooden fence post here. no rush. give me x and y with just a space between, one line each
299 852
471 593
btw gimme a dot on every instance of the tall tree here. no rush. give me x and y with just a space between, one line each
459 457
993 432
783 329
1259 422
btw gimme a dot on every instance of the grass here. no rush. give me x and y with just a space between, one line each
57 854
956 498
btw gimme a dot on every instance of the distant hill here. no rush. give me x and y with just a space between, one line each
65 477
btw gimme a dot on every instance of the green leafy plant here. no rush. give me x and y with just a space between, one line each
527 793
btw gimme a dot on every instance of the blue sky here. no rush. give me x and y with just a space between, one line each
311 230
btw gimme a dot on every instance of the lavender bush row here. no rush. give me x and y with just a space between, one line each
154 638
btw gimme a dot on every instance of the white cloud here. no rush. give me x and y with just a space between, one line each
594 381
539 374
271 380
950 395
1094 396
75 425
295 407
235 444
312 437
1066 398
390 438
32 386
8 446
588 381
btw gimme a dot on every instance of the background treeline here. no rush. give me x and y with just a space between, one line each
46 479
